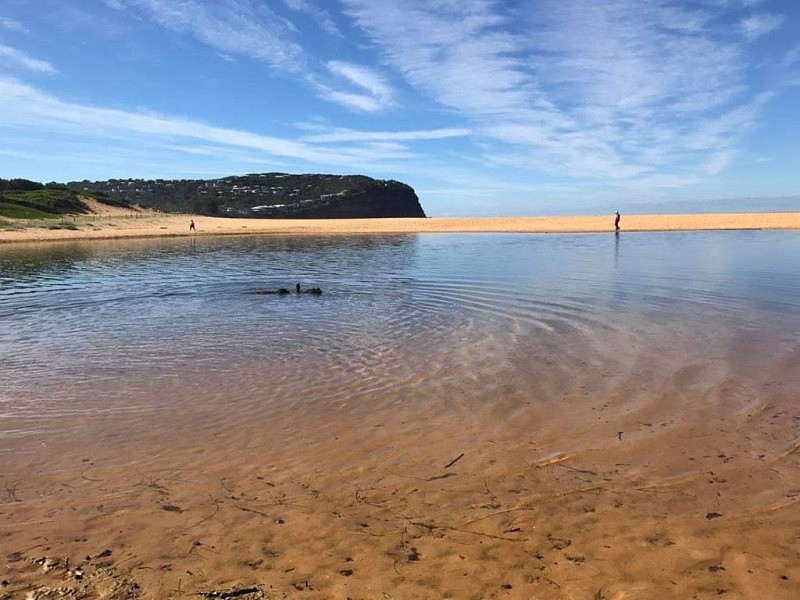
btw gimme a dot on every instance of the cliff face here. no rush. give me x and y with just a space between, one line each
393 200
266 195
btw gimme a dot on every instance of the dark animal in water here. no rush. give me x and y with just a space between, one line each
283 291
315 291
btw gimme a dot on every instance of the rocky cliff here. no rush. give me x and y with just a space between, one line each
266 195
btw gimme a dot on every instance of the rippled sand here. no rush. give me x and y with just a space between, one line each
630 473
125 224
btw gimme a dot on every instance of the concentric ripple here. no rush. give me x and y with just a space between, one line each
155 326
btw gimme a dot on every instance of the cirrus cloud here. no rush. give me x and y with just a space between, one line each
609 89
13 58
756 26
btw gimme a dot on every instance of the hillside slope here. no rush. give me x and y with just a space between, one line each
265 195
24 199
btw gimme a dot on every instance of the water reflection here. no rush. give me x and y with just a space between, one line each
397 313
19 263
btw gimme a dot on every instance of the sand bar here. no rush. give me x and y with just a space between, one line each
127 224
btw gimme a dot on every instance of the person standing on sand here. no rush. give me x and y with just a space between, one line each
191 225
616 222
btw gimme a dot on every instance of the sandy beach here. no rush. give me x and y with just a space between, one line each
646 460
113 223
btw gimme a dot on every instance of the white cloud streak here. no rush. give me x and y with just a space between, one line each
12 58
374 93
22 106
237 27
756 26
349 135
244 28
791 58
322 17
621 89
12 25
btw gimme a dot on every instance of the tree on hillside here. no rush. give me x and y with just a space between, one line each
24 185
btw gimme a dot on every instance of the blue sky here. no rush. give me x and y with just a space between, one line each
485 108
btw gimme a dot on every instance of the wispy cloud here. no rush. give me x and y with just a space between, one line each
791 58
350 135
237 27
373 93
11 25
321 16
756 26
23 106
790 64
621 89
247 29
12 58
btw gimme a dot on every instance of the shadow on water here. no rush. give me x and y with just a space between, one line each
167 259
19 263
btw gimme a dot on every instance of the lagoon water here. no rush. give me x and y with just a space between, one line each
77 319
157 357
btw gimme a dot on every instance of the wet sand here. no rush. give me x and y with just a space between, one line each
626 477
634 462
118 223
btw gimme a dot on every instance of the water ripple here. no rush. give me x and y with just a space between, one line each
144 326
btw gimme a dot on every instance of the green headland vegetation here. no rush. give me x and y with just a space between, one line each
25 199
259 195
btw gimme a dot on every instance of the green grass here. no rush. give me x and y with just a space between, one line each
40 204
17 211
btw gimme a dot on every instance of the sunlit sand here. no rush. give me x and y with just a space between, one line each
126 224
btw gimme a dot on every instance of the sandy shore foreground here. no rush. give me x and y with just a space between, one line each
117 223
529 450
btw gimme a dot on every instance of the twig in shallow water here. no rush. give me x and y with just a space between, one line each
251 510
790 450
431 527
442 476
204 519
231 594
454 461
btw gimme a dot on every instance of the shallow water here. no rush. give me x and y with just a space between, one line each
93 327
622 412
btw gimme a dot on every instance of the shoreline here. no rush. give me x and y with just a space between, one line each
126 225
